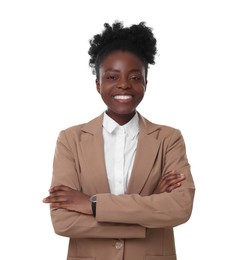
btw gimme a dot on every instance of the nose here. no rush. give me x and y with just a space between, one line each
124 84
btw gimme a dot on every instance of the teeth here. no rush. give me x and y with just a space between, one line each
122 97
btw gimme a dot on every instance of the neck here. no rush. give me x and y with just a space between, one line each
121 119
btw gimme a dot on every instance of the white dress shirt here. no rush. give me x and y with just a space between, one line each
120 144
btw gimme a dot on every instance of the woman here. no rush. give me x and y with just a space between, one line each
121 183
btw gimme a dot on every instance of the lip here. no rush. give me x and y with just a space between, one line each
123 98
122 94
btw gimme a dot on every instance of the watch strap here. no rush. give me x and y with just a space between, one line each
94 208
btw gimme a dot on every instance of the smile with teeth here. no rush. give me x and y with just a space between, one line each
123 97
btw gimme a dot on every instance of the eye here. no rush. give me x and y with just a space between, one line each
136 78
111 77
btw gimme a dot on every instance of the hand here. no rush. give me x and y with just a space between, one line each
64 197
169 181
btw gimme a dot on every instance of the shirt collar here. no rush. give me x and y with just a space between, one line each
131 128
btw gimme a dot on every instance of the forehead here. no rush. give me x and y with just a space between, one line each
122 60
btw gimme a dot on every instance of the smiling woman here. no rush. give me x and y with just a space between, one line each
120 182
121 84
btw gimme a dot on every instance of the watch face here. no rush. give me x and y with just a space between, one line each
93 198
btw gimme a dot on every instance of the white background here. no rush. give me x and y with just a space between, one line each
46 85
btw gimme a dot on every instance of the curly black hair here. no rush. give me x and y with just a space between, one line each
137 39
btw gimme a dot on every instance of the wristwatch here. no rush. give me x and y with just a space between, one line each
93 199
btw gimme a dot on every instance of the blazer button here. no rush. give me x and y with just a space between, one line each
118 245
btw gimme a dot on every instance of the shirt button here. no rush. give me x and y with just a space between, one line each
118 245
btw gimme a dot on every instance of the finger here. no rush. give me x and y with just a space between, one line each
173 187
57 205
169 185
45 200
169 174
59 188
174 181
59 193
54 198
168 180
177 177
174 176
62 205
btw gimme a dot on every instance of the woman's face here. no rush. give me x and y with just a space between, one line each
121 84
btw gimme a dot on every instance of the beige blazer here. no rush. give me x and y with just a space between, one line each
137 225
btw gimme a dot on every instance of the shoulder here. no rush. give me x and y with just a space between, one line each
156 129
164 135
84 129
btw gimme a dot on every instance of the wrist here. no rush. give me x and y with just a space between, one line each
93 201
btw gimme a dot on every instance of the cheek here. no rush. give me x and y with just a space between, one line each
106 88
141 90
103 94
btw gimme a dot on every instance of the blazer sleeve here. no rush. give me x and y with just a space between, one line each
75 225
155 210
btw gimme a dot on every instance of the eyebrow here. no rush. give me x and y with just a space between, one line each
115 70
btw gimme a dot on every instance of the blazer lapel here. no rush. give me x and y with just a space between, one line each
93 153
147 149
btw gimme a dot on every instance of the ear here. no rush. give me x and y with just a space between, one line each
98 86
146 84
